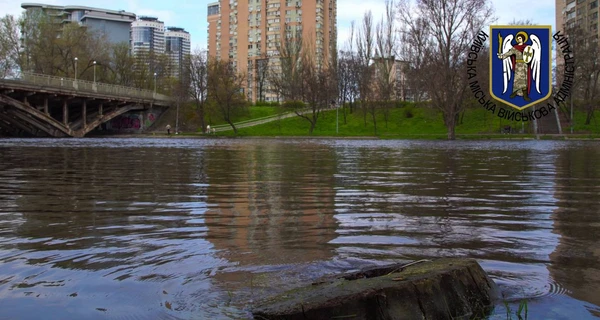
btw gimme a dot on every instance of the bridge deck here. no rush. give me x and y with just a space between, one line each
41 105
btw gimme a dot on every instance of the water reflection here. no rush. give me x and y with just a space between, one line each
163 228
574 263
270 204
271 212
95 230
449 201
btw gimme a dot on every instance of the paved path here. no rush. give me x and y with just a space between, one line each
255 122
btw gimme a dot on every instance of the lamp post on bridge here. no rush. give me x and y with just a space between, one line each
75 84
94 71
155 83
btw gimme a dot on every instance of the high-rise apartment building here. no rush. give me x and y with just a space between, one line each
580 13
247 33
116 25
147 35
575 13
144 35
177 47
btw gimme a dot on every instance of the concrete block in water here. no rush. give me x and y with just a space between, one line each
442 289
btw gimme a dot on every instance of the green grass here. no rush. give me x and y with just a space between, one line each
425 123
580 127
254 112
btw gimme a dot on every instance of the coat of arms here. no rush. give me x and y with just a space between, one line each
520 64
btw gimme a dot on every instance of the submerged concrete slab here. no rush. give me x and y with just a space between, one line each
440 289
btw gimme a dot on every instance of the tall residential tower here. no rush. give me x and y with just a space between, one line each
570 14
247 33
177 47
147 34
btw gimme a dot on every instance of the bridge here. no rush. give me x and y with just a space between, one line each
46 106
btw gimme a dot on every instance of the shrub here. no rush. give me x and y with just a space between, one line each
294 104
267 104
409 111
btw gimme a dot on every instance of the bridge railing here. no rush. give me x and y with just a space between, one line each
89 86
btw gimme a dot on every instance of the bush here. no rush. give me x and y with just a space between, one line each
402 104
294 104
267 104
409 111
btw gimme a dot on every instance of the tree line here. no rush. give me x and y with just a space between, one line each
416 48
37 42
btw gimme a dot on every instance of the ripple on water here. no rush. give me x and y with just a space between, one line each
203 228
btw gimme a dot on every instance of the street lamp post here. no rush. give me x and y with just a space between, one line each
177 119
94 71
155 83
572 121
337 110
75 69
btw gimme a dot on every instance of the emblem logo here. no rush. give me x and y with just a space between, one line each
520 64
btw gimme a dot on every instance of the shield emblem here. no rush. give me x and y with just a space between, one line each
520 64
528 54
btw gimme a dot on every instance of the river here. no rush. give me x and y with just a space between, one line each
118 228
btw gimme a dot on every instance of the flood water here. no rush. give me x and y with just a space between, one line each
203 229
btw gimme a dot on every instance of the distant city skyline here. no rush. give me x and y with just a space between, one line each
191 15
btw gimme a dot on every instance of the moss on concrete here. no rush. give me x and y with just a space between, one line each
445 288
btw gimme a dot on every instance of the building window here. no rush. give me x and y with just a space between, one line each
594 4
213 10
142 35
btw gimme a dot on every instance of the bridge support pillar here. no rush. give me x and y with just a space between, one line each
46 105
100 109
84 114
65 113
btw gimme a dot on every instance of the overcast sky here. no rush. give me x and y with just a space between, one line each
191 14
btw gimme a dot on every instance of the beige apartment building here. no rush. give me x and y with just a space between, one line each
582 13
247 33
572 13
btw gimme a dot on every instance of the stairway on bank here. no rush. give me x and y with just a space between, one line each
548 124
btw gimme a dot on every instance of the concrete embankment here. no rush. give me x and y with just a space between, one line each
440 289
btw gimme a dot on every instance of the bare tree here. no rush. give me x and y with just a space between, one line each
122 64
441 31
412 54
345 80
307 86
198 71
226 91
587 70
354 69
285 76
9 47
41 43
261 77
385 67
365 44
319 89
50 47
348 74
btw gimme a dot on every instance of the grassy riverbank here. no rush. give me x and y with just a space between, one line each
404 122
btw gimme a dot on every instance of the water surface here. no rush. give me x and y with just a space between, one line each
190 228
